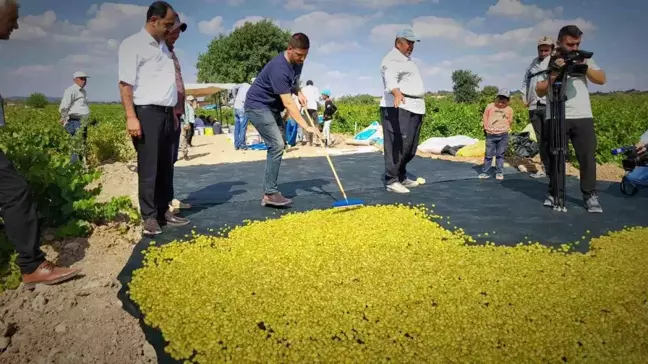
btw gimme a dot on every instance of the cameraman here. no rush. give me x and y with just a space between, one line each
579 121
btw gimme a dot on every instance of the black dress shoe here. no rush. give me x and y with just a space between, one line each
173 220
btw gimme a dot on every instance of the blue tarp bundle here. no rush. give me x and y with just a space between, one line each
291 132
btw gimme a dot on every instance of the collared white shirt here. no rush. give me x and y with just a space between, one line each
528 85
399 71
148 66
74 102
239 101
313 97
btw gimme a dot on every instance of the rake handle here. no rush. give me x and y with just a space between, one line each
328 158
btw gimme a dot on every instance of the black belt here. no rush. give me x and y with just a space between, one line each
412 97
164 109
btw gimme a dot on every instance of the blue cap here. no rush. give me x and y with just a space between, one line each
326 92
408 34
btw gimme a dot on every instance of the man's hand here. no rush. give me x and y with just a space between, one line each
63 121
641 148
398 97
302 99
133 126
525 103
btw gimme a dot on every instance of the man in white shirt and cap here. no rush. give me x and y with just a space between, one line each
313 98
74 108
401 110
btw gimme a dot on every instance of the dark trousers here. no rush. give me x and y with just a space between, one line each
583 139
190 134
75 126
20 217
496 146
177 134
155 160
541 128
314 117
401 132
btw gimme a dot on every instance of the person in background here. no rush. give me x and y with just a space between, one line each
497 120
638 177
199 125
402 108
188 121
538 105
312 94
240 120
74 108
149 93
329 110
179 109
17 209
270 94
2 118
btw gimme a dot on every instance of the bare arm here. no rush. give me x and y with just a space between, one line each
596 76
126 93
293 110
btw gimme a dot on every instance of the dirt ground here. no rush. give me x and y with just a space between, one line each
82 321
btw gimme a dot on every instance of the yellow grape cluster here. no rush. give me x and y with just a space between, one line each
388 283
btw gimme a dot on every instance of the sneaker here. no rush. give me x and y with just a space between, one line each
151 227
275 200
484 176
499 176
408 183
397 187
172 219
549 201
592 204
538 174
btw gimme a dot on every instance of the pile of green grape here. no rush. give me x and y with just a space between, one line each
388 283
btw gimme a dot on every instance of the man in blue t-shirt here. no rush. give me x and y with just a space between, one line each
268 96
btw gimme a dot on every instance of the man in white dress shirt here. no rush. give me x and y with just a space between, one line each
313 97
147 84
74 108
240 120
401 111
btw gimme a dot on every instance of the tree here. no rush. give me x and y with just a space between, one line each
489 92
465 85
37 101
240 55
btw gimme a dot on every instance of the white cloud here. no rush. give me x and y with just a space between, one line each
211 27
336 47
515 8
251 19
32 71
309 5
453 30
322 24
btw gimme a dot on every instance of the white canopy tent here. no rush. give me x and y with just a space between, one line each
206 89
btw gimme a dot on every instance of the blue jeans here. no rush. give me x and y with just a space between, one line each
240 128
270 128
72 127
638 177
496 145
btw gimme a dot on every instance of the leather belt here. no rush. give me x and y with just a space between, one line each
412 97
164 109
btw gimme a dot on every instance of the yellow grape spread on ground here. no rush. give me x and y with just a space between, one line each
387 283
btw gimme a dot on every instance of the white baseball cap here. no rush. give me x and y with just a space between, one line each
80 75
504 92
190 98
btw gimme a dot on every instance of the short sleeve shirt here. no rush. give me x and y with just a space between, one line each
578 105
278 77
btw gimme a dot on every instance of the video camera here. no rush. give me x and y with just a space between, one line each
573 59
632 158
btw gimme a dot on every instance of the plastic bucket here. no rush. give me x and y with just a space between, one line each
209 131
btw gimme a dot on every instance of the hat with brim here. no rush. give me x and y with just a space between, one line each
545 41
80 75
179 24
408 34
190 98
504 93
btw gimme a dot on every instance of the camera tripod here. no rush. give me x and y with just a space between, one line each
557 140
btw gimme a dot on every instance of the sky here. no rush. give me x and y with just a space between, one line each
494 38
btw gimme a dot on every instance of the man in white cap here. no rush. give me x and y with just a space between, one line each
401 110
538 105
74 108
240 120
